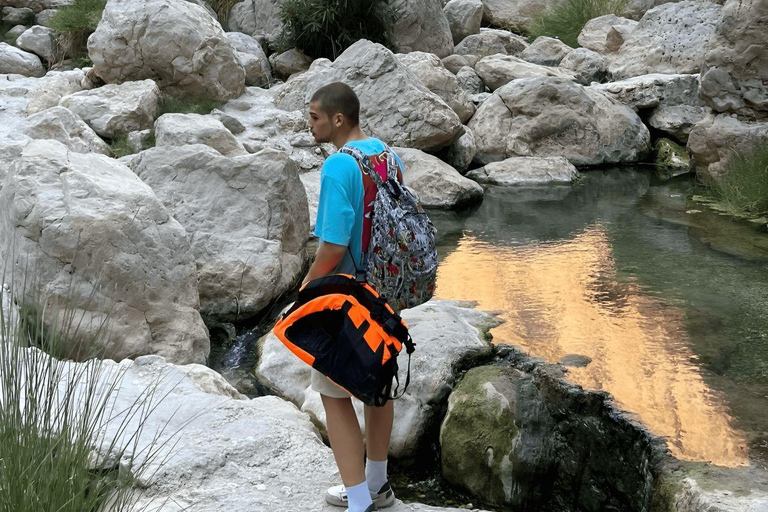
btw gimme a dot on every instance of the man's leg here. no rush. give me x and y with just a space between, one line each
378 431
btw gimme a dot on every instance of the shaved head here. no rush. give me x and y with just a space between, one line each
338 98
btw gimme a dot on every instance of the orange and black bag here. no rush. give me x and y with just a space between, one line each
346 331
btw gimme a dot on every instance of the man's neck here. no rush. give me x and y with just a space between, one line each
354 134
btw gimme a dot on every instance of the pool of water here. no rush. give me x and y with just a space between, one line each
666 298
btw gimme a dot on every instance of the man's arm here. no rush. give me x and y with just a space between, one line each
327 258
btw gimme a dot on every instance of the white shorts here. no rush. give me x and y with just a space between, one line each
325 386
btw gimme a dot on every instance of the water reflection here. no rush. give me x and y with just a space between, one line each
557 285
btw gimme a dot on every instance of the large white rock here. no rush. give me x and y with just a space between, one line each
714 141
556 117
394 105
670 38
445 333
589 66
246 218
289 62
14 60
546 51
461 153
61 124
176 43
116 109
498 70
421 25
98 239
520 14
39 40
526 170
257 18
253 59
464 18
593 35
184 129
430 70
491 42
48 91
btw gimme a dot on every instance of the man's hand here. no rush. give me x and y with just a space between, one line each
327 258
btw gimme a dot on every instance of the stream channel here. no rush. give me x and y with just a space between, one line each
667 299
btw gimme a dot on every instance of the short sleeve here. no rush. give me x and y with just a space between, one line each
335 214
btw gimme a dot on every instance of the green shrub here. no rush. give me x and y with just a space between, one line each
222 8
566 20
76 22
174 104
743 187
325 28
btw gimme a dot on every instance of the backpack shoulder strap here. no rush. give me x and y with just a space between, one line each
364 162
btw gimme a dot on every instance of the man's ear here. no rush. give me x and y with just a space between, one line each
338 119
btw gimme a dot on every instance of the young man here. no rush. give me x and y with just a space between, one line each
343 227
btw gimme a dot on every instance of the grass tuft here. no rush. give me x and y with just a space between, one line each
76 22
177 105
743 189
222 8
566 20
120 146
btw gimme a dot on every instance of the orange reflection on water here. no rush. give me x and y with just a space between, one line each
563 298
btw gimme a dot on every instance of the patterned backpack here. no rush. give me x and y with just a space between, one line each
401 260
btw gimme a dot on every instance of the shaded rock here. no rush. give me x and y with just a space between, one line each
589 66
593 35
61 124
99 240
557 117
311 182
734 71
575 360
39 40
671 159
246 218
184 129
250 55
469 81
671 38
498 70
14 60
714 140
617 36
421 25
461 153
15 32
38 5
289 62
513 43
446 335
480 98
464 18
526 171
677 121
395 106
454 63
520 15
18 15
231 123
430 70
175 43
546 51
116 109
257 18
437 184
43 18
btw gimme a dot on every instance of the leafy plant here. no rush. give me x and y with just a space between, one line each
566 20
743 187
76 22
325 28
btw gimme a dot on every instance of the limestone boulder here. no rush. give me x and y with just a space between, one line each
671 38
589 66
99 240
114 109
175 43
617 36
526 171
394 105
421 25
47 92
43 18
18 15
556 117
469 81
182 129
437 184
430 70
520 14
289 62
446 334
734 71
258 18
546 51
17 61
491 42
454 63
253 59
39 40
14 33
498 70
595 32
464 17
246 218
461 153
714 141
59 123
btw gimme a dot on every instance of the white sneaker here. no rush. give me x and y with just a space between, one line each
337 496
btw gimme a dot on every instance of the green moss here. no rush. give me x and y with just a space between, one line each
566 20
671 159
173 104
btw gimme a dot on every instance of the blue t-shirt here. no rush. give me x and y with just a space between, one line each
340 209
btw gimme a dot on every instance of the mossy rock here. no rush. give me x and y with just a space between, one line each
671 159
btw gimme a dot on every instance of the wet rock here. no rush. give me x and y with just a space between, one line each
250 55
113 109
498 70
39 40
18 15
421 25
437 184
589 66
575 360
671 38
556 117
469 81
461 153
59 123
714 140
258 18
520 15
105 245
246 218
464 18
594 34
671 159
289 62
184 129
14 60
175 43
546 51
734 70
430 70
526 171
395 106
